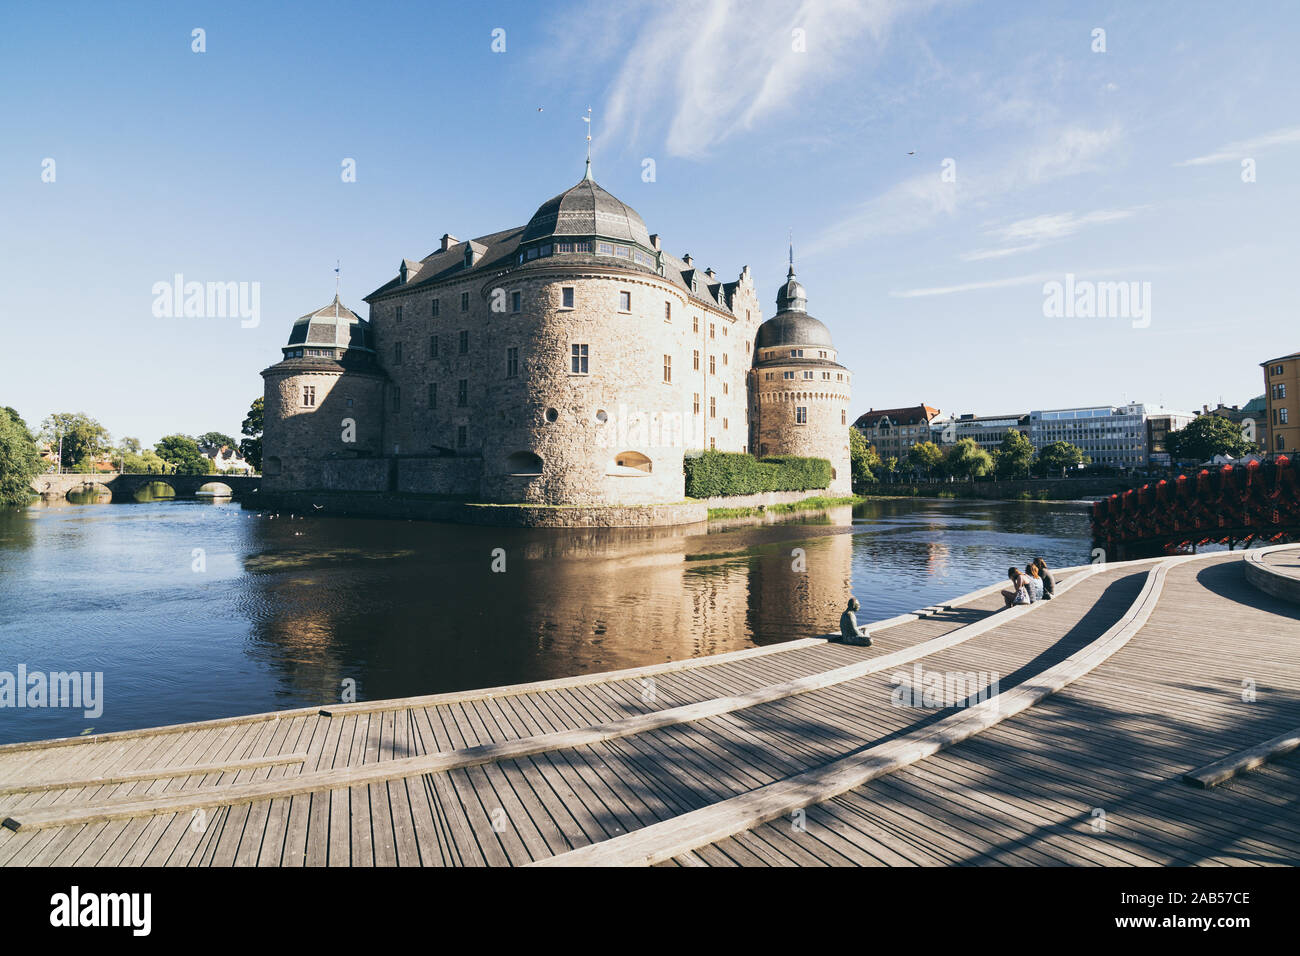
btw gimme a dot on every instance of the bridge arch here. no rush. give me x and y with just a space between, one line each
215 489
88 492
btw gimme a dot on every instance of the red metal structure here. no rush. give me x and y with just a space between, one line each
1233 505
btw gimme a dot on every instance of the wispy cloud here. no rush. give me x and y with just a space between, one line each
918 202
697 72
1038 231
1246 147
1031 279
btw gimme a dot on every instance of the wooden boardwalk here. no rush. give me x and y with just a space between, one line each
1097 703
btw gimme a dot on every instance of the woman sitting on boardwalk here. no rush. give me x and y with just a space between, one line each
1049 582
1018 593
1034 581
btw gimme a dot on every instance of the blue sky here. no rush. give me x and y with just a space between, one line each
1122 165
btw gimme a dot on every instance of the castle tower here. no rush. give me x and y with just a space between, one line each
324 400
799 391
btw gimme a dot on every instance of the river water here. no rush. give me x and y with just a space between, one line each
197 609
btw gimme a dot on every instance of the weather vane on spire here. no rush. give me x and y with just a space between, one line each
587 119
337 277
791 252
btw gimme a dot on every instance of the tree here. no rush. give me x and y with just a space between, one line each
863 459
891 466
1207 436
251 447
182 453
20 458
144 463
924 457
130 446
1060 455
85 440
215 441
1014 455
966 459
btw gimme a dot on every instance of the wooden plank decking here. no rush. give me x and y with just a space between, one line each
542 783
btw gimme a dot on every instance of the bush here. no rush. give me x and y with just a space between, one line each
718 473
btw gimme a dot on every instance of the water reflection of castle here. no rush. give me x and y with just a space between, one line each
568 603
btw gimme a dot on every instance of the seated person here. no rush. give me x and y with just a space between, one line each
1018 593
1034 582
850 631
1049 582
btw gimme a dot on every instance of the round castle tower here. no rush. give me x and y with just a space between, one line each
800 392
324 400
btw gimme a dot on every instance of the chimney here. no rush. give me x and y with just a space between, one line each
687 258
448 240
709 272
654 242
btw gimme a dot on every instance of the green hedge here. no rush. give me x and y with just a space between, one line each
715 473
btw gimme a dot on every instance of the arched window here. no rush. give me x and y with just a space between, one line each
630 464
524 463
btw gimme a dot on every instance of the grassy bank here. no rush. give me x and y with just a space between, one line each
807 504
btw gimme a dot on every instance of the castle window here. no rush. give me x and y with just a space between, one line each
697 403
464 342
844 417
348 402
516 301
566 297
801 415
1282 416
668 368
808 374
464 301
462 436
605 248
713 444
697 360
725 358
582 247
433 308
625 301
564 247
713 365
469 256
532 253
713 331
724 424
462 392
524 464
623 251
826 376
512 363
433 346
308 395
726 389
397 399
668 311
433 394
713 407
631 464
695 323
578 355
787 374
747 345
397 353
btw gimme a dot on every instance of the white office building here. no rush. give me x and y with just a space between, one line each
1115 436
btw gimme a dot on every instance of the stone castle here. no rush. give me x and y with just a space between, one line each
572 361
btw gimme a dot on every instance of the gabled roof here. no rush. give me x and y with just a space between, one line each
910 415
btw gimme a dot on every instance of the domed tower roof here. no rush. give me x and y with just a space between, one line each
332 326
791 297
792 325
587 210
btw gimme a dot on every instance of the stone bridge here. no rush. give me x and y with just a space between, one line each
124 487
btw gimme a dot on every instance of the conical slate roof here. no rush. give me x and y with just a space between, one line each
332 325
587 210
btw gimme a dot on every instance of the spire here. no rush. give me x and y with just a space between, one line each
790 274
337 279
587 119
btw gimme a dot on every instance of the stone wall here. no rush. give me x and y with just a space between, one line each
440 476
826 432
578 424
298 437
